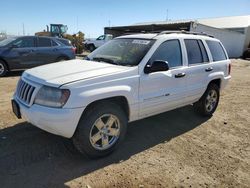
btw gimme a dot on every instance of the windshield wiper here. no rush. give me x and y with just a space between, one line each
105 60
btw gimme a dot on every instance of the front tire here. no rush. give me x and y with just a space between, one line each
3 68
92 47
208 103
100 130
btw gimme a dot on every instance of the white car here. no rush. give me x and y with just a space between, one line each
127 79
92 44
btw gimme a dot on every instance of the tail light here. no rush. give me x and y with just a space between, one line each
229 68
73 49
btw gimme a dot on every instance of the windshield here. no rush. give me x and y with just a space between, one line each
7 41
126 52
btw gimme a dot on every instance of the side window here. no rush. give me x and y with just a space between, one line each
44 42
193 51
169 51
25 42
54 29
102 37
203 51
216 50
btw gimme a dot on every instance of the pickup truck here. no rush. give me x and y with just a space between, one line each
92 44
130 78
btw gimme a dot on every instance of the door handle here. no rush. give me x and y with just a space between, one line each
179 75
209 69
25 53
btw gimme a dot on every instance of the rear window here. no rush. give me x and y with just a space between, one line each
65 42
216 50
44 42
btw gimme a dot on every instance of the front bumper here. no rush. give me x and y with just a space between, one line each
57 121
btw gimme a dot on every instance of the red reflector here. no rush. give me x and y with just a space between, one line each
229 68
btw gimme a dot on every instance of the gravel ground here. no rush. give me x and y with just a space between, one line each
173 149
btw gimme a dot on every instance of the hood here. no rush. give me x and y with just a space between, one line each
57 74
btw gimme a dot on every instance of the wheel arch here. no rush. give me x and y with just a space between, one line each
91 44
216 81
6 63
62 56
119 100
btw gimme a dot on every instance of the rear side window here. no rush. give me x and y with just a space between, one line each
169 51
216 50
203 51
194 51
65 42
44 42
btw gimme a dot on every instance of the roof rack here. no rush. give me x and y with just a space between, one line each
185 32
169 32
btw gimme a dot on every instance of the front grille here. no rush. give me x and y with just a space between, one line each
24 91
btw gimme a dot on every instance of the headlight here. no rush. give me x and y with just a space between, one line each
52 97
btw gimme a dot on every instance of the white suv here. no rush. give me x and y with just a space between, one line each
127 79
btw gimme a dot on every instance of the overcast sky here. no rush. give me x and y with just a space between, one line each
93 15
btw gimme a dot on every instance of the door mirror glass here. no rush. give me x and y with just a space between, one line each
156 66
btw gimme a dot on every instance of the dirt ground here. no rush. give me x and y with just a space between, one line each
173 149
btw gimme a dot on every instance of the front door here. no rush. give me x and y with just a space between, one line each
165 90
23 53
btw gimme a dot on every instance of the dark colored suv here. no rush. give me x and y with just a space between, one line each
30 51
246 54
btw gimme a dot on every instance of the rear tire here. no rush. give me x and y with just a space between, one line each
3 68
100 130
208 103
59 59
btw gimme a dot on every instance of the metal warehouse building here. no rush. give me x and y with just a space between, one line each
234 32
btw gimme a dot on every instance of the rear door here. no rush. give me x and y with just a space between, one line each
47 50
198 70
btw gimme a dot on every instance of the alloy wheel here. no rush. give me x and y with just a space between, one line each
105 132
211 100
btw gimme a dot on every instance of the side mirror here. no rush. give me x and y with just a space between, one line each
156 66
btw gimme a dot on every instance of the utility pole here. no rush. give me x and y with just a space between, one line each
23 29
77 24
167 16
109 23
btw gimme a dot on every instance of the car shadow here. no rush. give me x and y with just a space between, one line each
14 73
28 153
